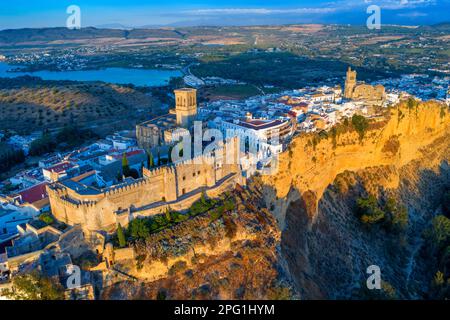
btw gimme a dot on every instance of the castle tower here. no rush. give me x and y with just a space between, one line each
185 106
350 83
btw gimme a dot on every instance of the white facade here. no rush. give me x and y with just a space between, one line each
263 141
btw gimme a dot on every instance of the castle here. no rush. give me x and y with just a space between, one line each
177 185
362 91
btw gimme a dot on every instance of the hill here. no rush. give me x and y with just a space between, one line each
32 104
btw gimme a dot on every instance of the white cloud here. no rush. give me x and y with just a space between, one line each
414 14
330 7
261 11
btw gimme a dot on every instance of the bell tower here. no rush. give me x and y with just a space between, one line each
350 83
185 106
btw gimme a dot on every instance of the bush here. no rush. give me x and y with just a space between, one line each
46 218
201 206
230 227
177 267
139 229
35 286
178 217
369 211
216 213
391 146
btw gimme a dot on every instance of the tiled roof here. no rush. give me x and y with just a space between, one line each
35 193
61 167
129 154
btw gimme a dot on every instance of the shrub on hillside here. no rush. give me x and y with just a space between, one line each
396 215
368 210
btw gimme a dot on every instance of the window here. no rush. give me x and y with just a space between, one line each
183 191
184 178
193 174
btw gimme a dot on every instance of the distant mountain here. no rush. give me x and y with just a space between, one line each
12 36
114 26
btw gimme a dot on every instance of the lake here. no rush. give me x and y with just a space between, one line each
138 77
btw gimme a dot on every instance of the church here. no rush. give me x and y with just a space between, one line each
361 91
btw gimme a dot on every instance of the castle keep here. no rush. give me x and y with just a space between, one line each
177 186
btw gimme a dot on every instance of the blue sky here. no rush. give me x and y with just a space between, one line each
135 13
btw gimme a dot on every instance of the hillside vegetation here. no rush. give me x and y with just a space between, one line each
28 103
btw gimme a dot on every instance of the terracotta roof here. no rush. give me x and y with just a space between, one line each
35 193
61 167
129 154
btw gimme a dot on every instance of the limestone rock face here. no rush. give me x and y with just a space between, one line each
325 248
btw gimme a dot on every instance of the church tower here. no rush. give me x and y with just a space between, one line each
350 83
185 106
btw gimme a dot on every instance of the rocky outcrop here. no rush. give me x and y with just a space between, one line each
325 247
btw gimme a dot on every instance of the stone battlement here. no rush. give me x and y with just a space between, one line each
167 184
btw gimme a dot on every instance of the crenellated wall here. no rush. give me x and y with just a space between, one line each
176 185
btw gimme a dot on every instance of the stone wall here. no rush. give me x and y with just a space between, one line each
176 185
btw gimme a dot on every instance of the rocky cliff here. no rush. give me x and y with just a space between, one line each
324 246
296 233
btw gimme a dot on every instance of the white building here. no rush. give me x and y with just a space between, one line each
261 137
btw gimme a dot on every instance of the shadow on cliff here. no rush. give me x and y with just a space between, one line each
327 250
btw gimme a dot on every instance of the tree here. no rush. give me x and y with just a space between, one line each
360 124
125 166
167 213
35 286
203 197
119 176
150 160
439 234
9 157
446 204
369 211
139 229
121 236
44 144
397 215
